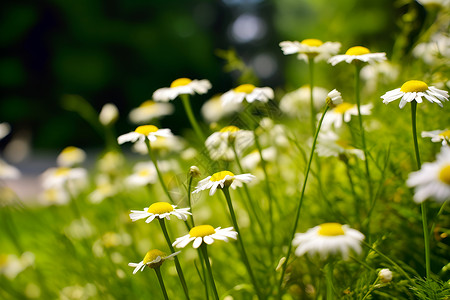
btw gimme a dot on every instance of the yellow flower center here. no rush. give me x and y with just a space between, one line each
444 174
151 256
231 129
344 144
245 88
147 103
3 260
414 86
201 231
146 129
331 229
220 175
180 82
312 42
445 134
343 107
357 50
160 208
143 173
63 171
70 149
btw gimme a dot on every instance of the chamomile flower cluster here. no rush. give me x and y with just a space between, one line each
223 143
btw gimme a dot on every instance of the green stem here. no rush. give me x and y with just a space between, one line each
155 163
208 267
161 282
311 94
372 287
329 278
189 199
423 205
241 243
299 206
441 210
190 114
355 198
177 263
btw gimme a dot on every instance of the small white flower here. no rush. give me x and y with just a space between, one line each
375 75
144 173
415 90
7 171
385 275
246 92
222 179
343 113
213 111
109 114
73 178
334 98
182 86
54 196
310 48
205 233
330 144
357 53
145 131
251 160
433 179
150 110
436 50
296 103
70 156
160 210
220 144
11 265
5 129
153 259
438 136
104 189
328 239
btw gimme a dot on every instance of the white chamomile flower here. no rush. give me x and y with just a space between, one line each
109 114
182 86
70 156
251 160
220 144
222 179
5 129
415 90
213 111
144 173
433 179
343 113
246 92
334 98
330 144
145 131
385 275
205 233
438 136
73 178
328 239
7 171
150 110
160 210
153 259
54 196
436 51
357 53
296 103
310 48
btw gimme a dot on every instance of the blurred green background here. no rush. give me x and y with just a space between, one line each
122 51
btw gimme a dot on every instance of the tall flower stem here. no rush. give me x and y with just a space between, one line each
300 202
177 262
241 243
311 94
161 282
189 199
329 278
423 205
155 163
361 129
191 117
204 249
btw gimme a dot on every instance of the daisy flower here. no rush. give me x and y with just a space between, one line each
54 196
144 173
433 179
109 114
220 144
328 239
213 111
145 131
385 275
181 86
7 171
150 110
70 156
222 179
329 144
357 53
75 178
161 210
334 98
205 233
246 92
5 129
251 160
438 136
415 90
296 103
153 259
343 113
310 48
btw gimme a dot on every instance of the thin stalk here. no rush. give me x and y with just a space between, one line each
352 187
441 210
241 243
329 278
155 163
177 262
191 117
300 202
161 282
205 282
311 93
423 205
370 289
361 129
208 267
189 199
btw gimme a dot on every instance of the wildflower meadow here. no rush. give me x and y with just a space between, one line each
334 186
